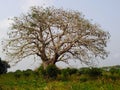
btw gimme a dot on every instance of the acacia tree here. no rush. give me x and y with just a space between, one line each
55 35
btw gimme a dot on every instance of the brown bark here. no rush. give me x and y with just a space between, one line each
47 63
50 62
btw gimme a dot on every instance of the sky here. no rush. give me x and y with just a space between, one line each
104 12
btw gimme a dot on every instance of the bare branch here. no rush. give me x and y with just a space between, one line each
55 35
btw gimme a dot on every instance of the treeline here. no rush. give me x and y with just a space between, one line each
53 78
52 72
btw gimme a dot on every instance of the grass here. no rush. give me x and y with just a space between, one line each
76 81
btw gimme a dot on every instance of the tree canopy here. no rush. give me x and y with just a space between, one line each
55 35
3 66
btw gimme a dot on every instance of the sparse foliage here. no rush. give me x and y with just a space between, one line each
55 35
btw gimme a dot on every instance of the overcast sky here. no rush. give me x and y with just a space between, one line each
104 12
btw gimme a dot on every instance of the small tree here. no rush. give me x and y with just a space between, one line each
55 35
3 66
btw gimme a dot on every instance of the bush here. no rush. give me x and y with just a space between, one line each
83 71
114 70
52 71
27 73
64 74
83 78
3 66
71 71
91 71
40 71
18 74
95 72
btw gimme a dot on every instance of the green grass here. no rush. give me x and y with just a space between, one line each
76 81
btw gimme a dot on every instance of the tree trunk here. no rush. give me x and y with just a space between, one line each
50 62
47 63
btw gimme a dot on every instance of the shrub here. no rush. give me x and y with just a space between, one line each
52 71
95 72
113 77
27 73
3 66
83 78
83 71
91 71
114 70
64 74
71 71
40 71
18 74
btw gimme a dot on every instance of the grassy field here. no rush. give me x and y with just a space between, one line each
67 79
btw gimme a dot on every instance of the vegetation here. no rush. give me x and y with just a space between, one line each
66 79
55 35
3 66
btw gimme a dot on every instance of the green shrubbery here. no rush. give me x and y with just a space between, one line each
40 71
95 72
90 71
3 66
18 74
27 73
64 74
71 71
52 71
83 71
114 71
55 79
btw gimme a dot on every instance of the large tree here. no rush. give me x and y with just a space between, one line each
55 35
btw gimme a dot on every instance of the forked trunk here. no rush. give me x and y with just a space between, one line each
50 62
